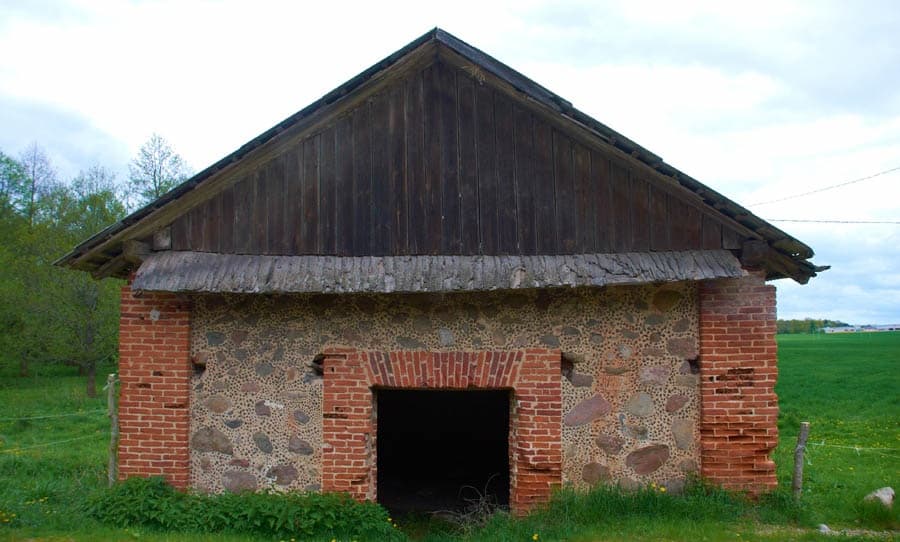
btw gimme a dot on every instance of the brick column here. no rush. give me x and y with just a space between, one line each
155 375
739 408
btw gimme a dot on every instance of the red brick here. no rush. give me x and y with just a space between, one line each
738 411
154 438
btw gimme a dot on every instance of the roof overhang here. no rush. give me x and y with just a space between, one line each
199 272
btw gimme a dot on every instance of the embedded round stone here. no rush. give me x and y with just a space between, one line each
262 442
250 386
237 481
234 424
210 439
218 404
284 475
410 343
587 411
687 381
648 459
215 338
594 473
683 431
264 369
550 340
635 431
238 336
580 380
639 404
654 319
682 347
665 300
446 337
300 416
299 446
676 402
262 409
611 444
655 375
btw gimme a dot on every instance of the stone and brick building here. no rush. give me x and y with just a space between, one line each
442 275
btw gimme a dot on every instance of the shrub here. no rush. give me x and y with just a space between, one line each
152 503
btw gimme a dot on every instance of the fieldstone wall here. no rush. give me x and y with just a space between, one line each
630 382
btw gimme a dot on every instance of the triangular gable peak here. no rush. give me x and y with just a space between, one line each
445 151
442 163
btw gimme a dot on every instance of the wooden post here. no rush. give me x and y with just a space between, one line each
797 482
113 429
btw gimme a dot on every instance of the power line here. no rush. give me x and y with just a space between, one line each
835 221
831 187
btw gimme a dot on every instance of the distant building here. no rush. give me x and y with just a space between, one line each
862 329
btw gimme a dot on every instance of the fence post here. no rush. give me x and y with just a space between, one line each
797 481
114 428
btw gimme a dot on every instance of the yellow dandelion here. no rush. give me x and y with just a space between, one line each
662 489
535 536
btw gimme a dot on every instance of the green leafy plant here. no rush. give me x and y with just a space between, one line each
151 503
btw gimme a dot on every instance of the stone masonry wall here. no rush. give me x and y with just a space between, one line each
630 382
154 374
738 371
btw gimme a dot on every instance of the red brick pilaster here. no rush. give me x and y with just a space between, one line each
349 463
739 408
155 376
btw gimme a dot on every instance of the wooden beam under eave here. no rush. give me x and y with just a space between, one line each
135 251
114 267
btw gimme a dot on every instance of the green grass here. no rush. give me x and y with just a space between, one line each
846 386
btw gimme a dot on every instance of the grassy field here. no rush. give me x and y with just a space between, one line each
846 386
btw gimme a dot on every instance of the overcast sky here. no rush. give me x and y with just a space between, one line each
759 100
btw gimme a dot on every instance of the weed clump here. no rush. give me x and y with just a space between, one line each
153 504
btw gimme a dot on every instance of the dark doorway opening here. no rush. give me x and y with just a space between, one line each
439 450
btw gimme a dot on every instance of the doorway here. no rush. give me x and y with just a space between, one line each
442 449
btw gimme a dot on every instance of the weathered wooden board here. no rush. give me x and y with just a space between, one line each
177 271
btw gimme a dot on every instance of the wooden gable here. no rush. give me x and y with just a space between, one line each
441 161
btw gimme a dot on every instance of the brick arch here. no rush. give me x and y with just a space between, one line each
533 375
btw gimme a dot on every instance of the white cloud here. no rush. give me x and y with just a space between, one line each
757 100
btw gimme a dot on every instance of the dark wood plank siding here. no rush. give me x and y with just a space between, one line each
381 215
525 181
544 197
414 170
443 163
468 173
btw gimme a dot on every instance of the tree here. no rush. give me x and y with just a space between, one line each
39 176
85 318
49 314
12 185
155 170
